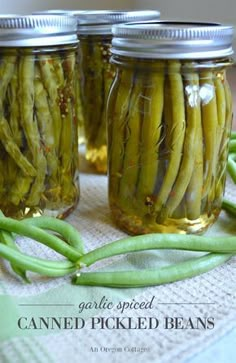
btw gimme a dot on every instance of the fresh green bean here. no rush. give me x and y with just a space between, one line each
232 146
150 277
231 166
229 206
159 241
42 267
66 230
8 240
41 236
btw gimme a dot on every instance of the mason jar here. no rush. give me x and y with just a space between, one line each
169 120
38 125
97 74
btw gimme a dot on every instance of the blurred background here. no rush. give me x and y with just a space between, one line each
213 10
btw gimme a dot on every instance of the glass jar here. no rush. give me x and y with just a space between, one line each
169 121
97 74
38 130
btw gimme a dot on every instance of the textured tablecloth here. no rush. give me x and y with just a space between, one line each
211 295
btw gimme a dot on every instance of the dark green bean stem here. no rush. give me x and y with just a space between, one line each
159 241
41 236
149 277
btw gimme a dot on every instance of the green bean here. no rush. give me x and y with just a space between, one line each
209 123
231 166
131 153
159 241
67 133
6 72
178 132
12 149
151 135
41 236
30 126
20 188
50 83
221 103
42 267
229 206
223 151
116 122
46 129
107 80
66 230
187 162
8 240
93 87
14 117
194 190
232 146
150 277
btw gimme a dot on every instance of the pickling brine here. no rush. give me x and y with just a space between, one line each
169 122
97 74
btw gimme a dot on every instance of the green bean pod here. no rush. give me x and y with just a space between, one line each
159 241
150 277
41 236
40 266
177 136
66 230
187 162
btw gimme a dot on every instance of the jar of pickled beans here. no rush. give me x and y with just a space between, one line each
169 120
38 125
97 74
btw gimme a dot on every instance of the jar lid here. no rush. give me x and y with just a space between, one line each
37 30
59 12
172 40
101 21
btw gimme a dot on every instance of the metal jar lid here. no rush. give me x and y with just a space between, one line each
172 40
100 21
37 30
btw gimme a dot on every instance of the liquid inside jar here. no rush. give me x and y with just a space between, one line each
169 123
97 75
38 132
